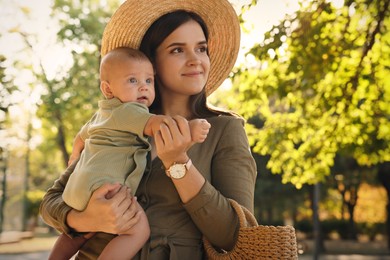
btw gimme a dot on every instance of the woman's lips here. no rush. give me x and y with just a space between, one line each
192 74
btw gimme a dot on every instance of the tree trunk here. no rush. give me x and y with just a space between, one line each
61 139
352 234
343 202
3 170
320 245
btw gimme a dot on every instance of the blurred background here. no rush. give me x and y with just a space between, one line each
312 80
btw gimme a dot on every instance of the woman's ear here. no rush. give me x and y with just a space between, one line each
106 89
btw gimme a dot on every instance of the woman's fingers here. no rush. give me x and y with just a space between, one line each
176 132
165 133
100 212
122 201
114 213
173 140
158 140
107 188
132 216
124 210
183 128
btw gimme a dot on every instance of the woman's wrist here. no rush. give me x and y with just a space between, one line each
180 159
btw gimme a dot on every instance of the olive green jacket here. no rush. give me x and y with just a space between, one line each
225 161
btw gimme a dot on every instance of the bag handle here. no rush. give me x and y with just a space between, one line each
245 217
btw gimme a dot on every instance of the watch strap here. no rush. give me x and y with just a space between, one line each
188 164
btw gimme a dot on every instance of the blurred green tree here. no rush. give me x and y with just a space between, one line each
321 87
66 99
5 92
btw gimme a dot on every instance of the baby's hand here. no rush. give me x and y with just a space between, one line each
199 130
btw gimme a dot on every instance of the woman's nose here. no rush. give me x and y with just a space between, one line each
193 59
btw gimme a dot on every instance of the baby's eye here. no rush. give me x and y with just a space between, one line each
149 81
133 80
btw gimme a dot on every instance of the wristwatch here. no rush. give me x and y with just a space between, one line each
178 170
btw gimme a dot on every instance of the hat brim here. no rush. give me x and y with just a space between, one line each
133 18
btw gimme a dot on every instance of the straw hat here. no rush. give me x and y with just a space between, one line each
133 18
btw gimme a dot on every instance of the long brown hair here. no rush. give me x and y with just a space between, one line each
155 35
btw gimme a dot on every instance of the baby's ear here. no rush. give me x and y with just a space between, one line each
106 89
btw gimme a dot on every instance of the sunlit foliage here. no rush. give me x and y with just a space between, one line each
321 87
371 205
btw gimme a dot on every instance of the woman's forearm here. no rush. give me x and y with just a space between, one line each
190 185
233 176
214 216
53 209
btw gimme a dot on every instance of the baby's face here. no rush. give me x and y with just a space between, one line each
134 82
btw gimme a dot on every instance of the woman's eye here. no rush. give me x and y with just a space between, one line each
177 50
133 80
203 49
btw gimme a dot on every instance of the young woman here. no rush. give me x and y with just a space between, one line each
184 192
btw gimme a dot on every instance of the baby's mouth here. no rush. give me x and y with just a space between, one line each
142 98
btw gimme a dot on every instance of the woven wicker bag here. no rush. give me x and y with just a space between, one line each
256 241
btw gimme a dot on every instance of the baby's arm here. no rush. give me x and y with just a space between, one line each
153 124
78 146
199 127
199 130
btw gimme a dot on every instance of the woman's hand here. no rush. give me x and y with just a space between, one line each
111 209
173 141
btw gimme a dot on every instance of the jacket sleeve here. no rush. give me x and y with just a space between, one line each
53 209
233 175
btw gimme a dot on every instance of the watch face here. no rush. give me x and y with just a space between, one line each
177 171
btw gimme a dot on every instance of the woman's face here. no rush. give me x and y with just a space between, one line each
182 62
